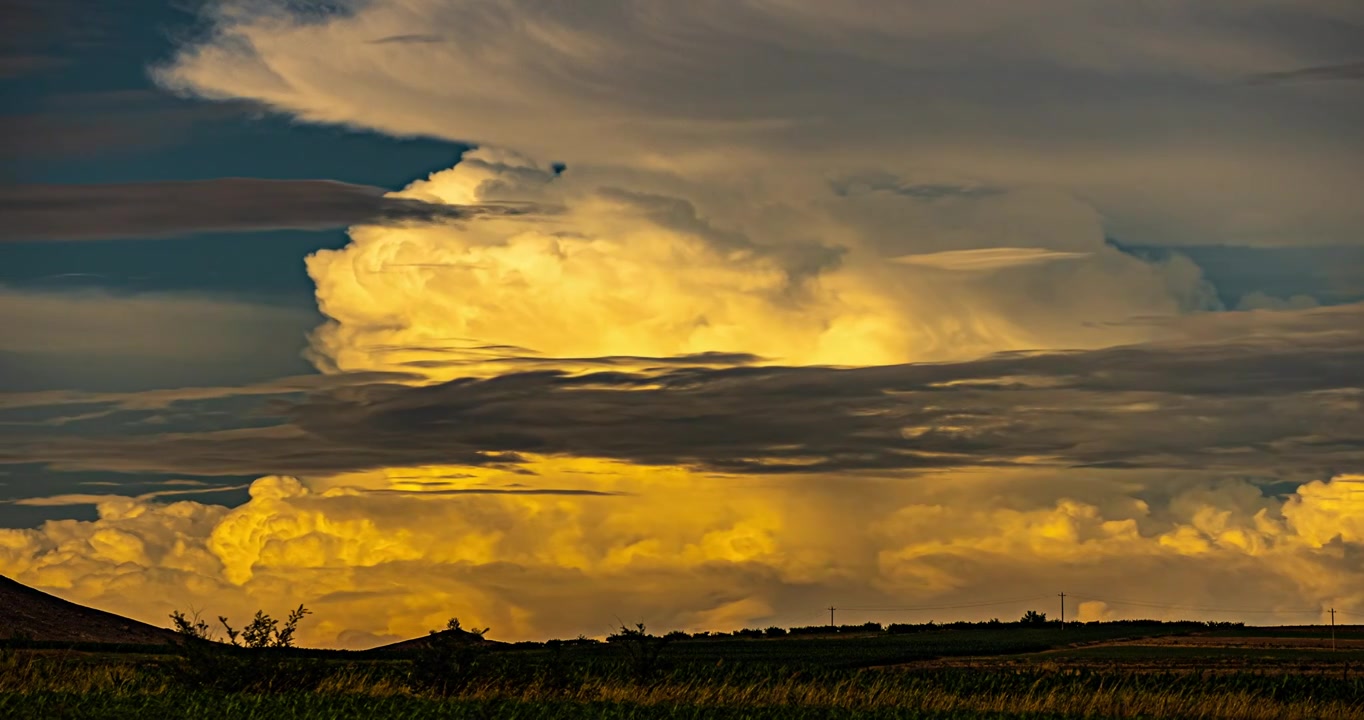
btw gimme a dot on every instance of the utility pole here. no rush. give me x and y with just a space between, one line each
1063 611
831 615
1333 629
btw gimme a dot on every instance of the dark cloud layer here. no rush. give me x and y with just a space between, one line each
1343 71
79 125
98 212
1256 398
417 38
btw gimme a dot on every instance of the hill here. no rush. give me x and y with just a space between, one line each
424 641
35 615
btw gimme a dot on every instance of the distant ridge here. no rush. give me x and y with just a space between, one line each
32 614
418 643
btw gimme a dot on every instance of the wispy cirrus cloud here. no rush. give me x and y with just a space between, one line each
156 209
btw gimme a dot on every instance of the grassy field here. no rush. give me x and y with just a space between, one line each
1095 671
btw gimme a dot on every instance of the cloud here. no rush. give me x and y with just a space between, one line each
37 35
705 553
175 326
1142 111
99 212
986 259
98 499
12 66
673 268
78 125
712 388
1258 300
417 38
95 339
1240 393
1343 71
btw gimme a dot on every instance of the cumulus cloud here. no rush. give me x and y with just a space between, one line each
131 210
1141 108
670 267
697 552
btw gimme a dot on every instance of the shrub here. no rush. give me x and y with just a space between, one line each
643 652
250 660
448 661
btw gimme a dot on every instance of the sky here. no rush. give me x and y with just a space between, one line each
708 315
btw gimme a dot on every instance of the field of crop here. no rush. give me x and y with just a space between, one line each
1095 671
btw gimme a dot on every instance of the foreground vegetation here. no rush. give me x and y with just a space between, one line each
862 672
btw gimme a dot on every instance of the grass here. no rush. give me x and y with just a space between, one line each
1160 654
300 707
807 677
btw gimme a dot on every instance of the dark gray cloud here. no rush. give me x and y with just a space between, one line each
98 212
12 66
67 125
1253 397
885 182
417 38
565 492
36 35
1343 71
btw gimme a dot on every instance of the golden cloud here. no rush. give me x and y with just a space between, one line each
644 274
378 558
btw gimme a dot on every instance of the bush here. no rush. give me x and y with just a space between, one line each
448 661
253 659
643 652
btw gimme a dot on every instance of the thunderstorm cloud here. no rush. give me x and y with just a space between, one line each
737 309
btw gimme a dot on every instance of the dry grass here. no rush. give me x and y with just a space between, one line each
1051 694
